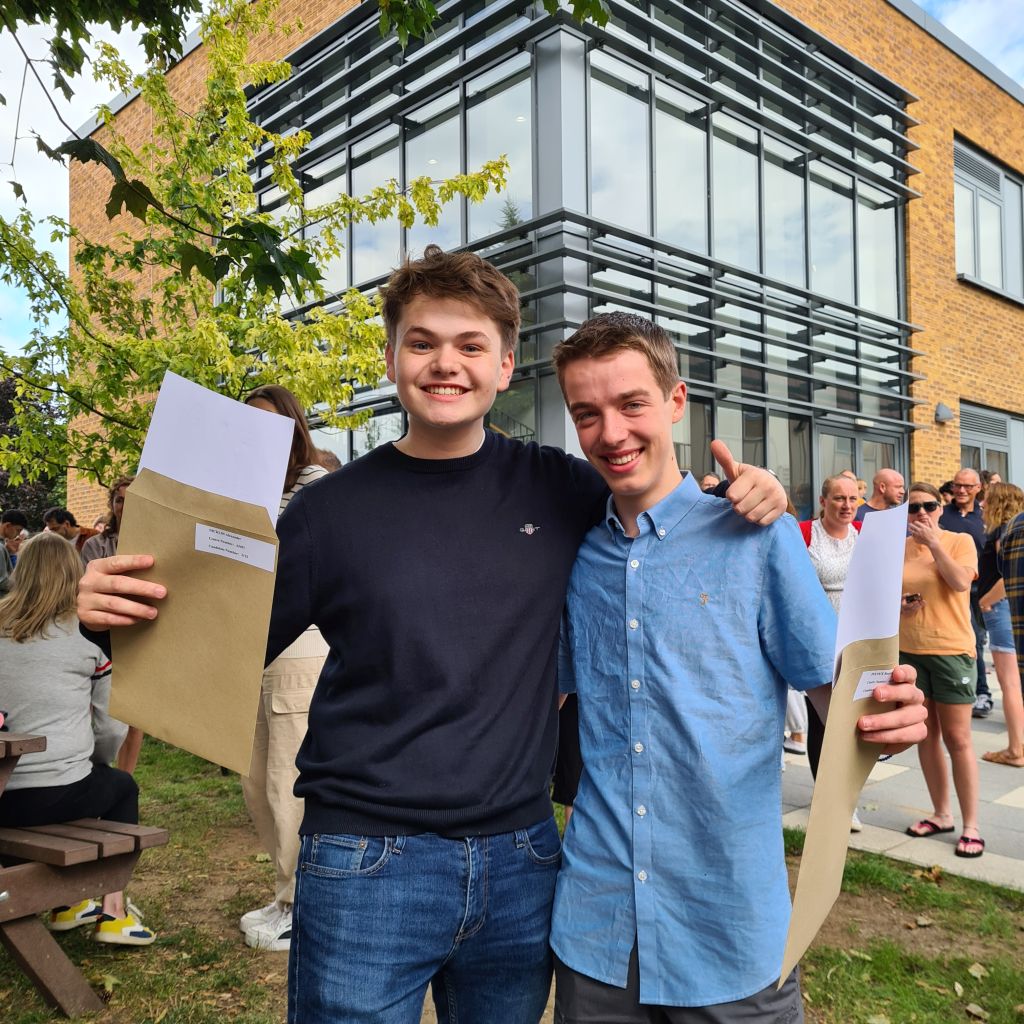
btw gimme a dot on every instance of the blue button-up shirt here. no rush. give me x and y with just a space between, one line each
680 643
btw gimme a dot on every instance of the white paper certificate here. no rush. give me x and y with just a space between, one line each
212 442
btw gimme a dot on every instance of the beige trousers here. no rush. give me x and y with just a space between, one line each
288 685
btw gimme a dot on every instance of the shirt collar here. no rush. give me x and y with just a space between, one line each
664 516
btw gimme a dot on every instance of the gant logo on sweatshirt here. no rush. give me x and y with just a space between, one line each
528 529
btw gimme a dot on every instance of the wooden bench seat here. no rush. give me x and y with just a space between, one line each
47 866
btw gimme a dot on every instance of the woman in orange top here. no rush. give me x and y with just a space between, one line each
936 637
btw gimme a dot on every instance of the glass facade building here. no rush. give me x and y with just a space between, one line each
712 164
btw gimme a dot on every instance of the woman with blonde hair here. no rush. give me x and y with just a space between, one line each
57 683
1003 502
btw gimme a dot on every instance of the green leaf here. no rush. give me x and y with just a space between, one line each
135 196
191 256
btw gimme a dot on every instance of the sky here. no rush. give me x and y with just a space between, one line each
995 28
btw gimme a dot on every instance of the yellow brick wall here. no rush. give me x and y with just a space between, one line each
972 340
90 184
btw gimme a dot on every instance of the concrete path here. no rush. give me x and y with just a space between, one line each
895 796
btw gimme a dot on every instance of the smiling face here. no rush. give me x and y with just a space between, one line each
624 424
448 365
966 485
840 505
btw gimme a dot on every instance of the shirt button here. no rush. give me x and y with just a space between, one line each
634 623
641 810
638 747
661 533
635 683
641 876
635 563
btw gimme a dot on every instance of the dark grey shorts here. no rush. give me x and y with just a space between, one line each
582 1000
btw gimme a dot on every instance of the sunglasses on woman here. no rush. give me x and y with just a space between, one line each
915 506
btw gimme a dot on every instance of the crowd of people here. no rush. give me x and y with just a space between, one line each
408 713
954 601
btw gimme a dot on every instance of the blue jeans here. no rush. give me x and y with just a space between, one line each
377 920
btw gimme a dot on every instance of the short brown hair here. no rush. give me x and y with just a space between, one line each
454 275
608 333
925 489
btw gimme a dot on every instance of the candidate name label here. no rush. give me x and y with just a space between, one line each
235 545
869 680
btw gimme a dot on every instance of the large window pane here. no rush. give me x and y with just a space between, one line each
789 458
783 213
331 175
680 145
375 247
876 455
990 242
432 149
381 428
734 194
1012 214
831 195
515 411
835 453
620 170
692 439
876 250
499 120
743 430
963 202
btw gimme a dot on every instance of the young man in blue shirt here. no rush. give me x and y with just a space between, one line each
683 626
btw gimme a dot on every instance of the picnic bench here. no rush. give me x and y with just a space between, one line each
46 866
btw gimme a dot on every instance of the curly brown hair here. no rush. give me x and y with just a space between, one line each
1003 502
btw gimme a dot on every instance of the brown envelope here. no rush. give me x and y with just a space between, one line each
846 762
192 676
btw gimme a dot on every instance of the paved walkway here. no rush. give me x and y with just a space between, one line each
895 796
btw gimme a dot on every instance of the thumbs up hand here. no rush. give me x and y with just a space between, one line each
755 493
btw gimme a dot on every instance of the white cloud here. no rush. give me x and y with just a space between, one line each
995 28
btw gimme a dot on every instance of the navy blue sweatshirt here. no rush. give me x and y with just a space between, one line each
439 586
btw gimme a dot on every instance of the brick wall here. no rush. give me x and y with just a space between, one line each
90 184
972 340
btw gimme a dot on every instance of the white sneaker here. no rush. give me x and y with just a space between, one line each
855 825
262 916
274 935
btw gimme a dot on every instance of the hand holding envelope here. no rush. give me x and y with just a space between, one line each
203 507
867 649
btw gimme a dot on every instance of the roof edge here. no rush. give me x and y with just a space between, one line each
955 44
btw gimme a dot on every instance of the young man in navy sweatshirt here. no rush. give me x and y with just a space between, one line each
436 569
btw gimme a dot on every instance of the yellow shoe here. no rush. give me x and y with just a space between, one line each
63 919
123 931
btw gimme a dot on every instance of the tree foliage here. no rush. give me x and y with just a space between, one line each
143 302
35 497
71 24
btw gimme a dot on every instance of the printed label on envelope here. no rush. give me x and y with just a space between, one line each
235 545
869 680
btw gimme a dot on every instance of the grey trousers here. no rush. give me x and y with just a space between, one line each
583 1000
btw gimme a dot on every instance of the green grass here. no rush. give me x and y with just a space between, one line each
882 980
200 972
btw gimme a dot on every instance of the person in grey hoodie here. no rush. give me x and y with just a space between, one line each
55 682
